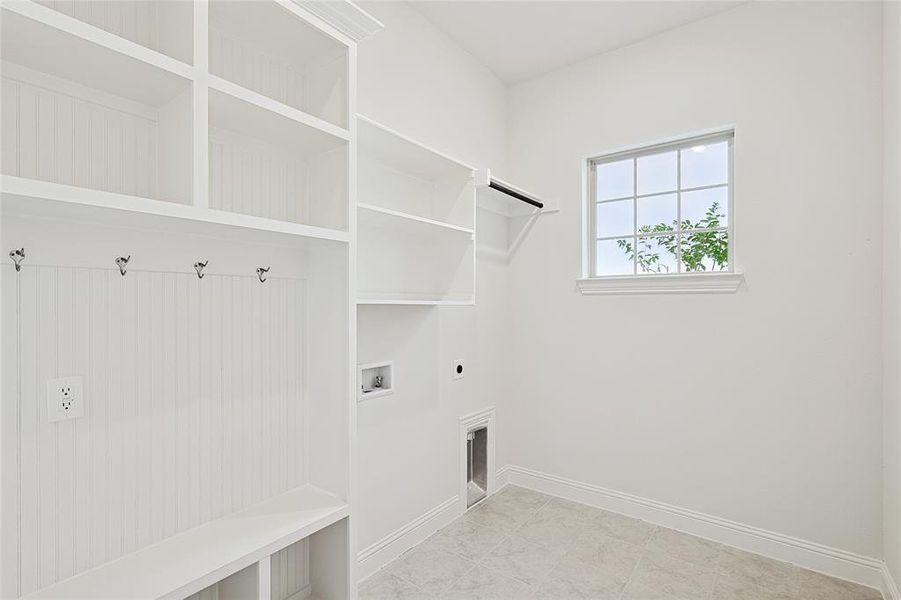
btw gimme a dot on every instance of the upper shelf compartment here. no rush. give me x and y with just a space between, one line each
273 165
268 47
79 109
406 177
162 25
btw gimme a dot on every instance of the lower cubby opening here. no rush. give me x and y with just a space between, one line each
314 568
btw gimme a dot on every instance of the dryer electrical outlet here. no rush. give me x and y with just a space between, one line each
65 398
458 369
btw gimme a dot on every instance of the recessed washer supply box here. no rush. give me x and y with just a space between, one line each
376 379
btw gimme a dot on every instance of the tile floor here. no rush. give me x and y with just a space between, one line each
521 544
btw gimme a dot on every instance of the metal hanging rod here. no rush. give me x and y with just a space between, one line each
494 184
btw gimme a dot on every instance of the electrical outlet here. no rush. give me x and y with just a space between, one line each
458 368
65 399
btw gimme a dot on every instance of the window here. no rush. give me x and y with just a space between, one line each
662 210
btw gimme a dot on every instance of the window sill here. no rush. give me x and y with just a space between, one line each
683 283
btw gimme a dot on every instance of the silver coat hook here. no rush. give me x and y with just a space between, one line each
122 262
18 256
199 267
261 272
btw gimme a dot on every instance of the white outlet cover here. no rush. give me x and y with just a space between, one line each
65 398
459 369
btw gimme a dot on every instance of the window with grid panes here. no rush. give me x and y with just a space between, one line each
664 209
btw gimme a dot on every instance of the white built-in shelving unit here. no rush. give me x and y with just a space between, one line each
416 213
213 459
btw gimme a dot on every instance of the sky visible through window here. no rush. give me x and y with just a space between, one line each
668 205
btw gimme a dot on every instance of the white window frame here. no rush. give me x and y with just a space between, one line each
725 281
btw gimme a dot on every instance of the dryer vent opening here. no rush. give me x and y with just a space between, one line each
476 465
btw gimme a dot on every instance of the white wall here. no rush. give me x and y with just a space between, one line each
416 80
762 407
892 285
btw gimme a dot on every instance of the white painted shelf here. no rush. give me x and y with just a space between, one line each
269 118
40 38
189 562
417 225
411 218
410 300
393 149
43 198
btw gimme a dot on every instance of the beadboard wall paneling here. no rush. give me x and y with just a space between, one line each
56 136
248 66
319 87
134 20
162 26
193 393
290 570
254 178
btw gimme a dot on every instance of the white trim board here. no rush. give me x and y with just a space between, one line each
377 555
810 555
889 587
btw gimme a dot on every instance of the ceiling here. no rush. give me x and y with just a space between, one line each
519 40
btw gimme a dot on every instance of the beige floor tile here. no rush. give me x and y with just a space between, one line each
571 512
548 529
615 557
384 586
499 515
573 579
673 577
483 584
430 568
521 544
468 539
522 496
726 589
621 527
738 567
815 586
684 546
521 559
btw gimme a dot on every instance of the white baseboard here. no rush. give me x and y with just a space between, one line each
374 557
810 555
889 587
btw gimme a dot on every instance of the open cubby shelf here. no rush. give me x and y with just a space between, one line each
213 456
110 122
416 222
265 48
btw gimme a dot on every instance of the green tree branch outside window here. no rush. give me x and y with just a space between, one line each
699 250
